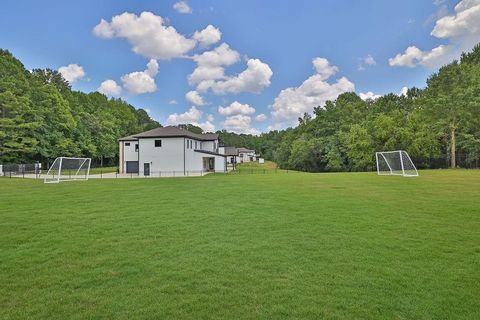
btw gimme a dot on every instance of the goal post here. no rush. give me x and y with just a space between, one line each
395 163
68 169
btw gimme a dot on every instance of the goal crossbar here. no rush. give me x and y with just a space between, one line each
68 169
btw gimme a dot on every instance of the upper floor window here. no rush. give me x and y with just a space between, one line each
136 147
158 143
195 144
127 144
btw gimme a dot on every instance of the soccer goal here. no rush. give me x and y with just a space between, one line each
397 163
68 169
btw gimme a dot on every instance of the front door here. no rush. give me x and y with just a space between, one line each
146 169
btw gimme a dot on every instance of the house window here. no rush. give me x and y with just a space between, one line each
195 144
158 143
188 144
127 144
136 147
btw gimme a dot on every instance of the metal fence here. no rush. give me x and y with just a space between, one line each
34 170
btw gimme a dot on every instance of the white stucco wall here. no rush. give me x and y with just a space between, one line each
209 145
168 157
173 155
220 164
245 157
192 161
129 153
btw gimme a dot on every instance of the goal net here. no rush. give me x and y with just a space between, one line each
68 169
397 163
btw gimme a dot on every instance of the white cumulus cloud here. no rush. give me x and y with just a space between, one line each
110 88
207 36
261 117
369 95
236 108
370 60
413 57
210 72
141 81
195 98
239 123
211 64
323 67
182 7
192 116
72 72
293 102
461 29
147 33
253 79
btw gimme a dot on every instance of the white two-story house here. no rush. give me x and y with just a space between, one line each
170 151
246 155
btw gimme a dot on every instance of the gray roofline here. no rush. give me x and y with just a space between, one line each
210 152
171 132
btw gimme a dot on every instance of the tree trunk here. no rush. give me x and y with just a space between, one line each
101 161
453 148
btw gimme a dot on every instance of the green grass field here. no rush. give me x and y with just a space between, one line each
304 246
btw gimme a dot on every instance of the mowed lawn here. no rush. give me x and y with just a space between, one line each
273 246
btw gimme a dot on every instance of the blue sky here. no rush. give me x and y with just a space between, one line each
279 58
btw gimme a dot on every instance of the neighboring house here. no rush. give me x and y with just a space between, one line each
231 153
246 155
170 150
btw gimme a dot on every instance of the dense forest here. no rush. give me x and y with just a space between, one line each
42 118
439 126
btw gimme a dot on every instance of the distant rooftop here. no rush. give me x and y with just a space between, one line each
245 150
171 132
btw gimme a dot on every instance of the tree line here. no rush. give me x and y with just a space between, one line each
436 125
42 118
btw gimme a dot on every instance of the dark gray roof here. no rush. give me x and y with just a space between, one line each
210 152
245 150
231 151
128 138
170 132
